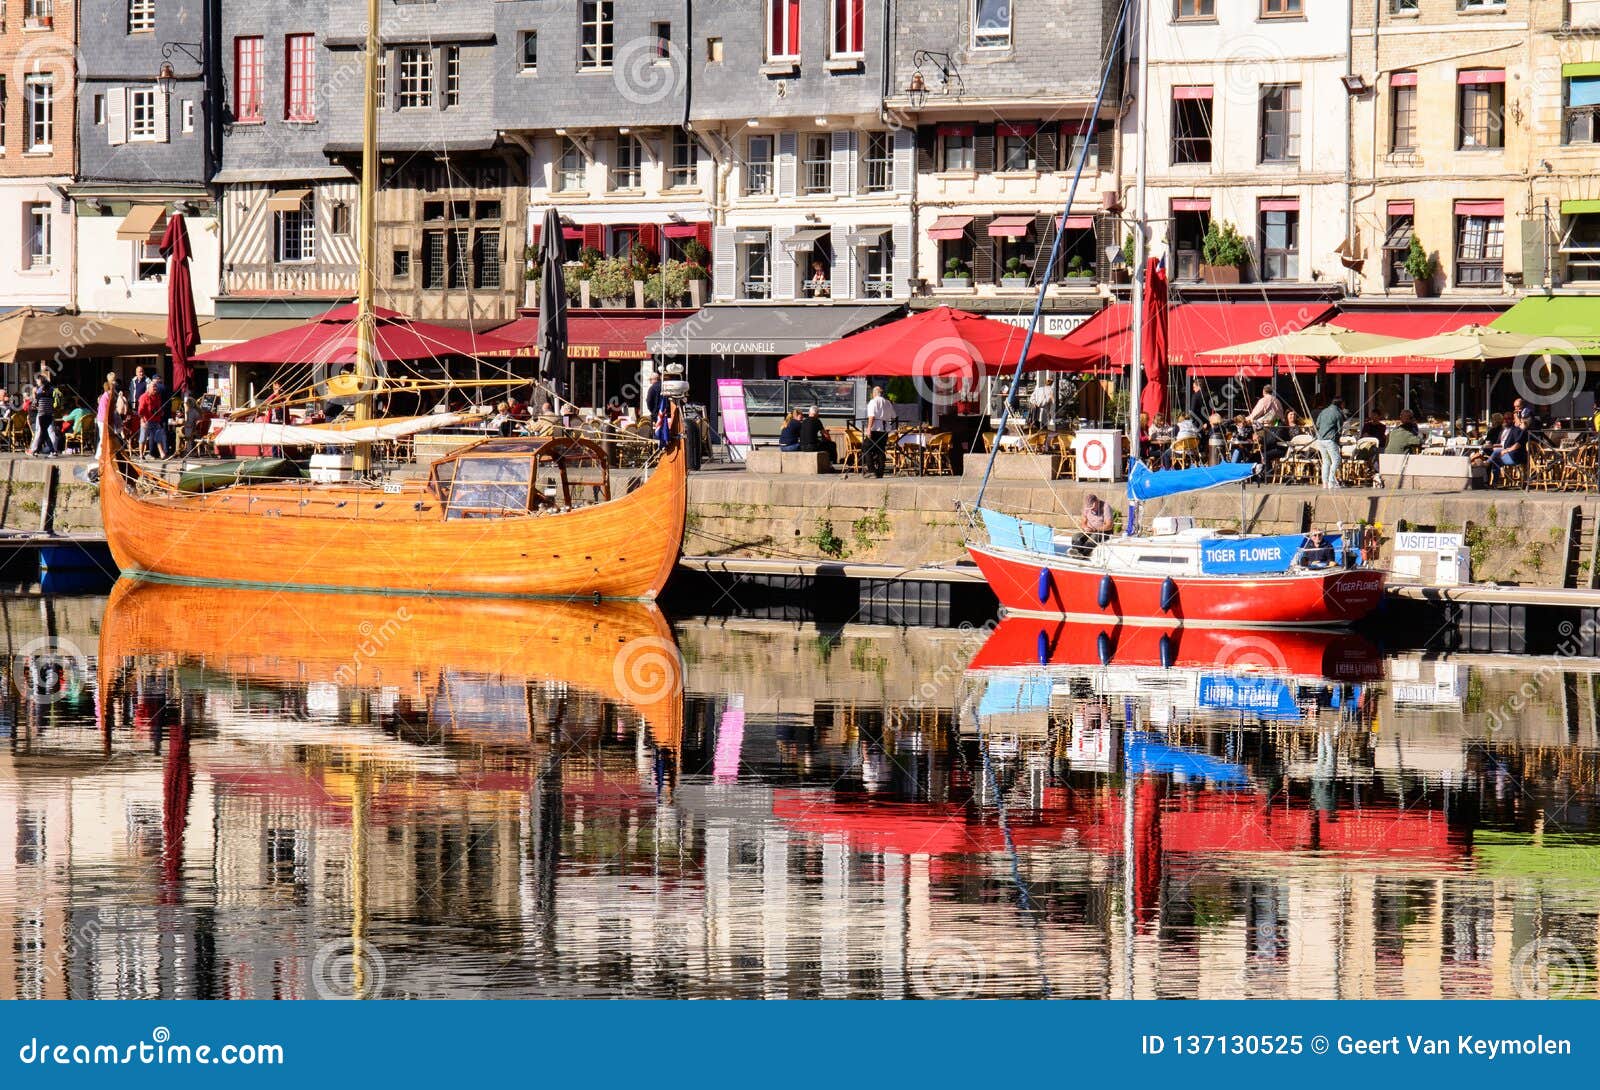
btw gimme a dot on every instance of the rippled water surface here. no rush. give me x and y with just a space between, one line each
232 794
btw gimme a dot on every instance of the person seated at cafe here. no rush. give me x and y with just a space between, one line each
502 421
789 437
1372 427
1512 447
1240 438
1404 437
1161 431
813 436
1275 441
1097 520
818 285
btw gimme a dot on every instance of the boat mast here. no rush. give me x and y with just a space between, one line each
366 324
1140 229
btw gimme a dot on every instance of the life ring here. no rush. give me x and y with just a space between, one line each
1090 462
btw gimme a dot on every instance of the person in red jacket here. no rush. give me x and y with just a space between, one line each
153 420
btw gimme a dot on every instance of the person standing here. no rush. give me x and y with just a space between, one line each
43 416
136 385
1330 422
652 396
880 418
152 421
1199 403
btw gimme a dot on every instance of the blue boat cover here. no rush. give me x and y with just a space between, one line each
1147 484
1268 697
1005 694
1009 532
1144 752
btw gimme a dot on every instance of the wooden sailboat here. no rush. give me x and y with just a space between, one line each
503 517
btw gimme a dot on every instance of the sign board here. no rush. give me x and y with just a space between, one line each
1053 325
1261 695
1245 556
734 417
1427 543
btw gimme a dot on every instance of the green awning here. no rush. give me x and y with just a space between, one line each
1580 68
1576 317
1578 208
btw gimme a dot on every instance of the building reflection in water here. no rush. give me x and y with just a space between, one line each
238 794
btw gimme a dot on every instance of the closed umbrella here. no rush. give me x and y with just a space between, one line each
553 300
183 328
1153 394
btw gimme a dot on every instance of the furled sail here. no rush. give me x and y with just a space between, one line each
1146 484
256 433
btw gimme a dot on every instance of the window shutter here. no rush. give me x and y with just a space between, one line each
161 115
927 148
788 144
1044 237
724 263
650 239
906 158
594 236
1105 236
1108 146
702 234
840 169
116 115
1046 148
982 247
783 263
900 259
844 263
983 149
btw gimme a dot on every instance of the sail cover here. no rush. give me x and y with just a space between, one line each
1145 484
256 433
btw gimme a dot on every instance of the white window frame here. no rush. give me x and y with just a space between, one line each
40 120
816 171
877 171
38 225
142 114
564 174
524 40
746 269
877 283
994 37
1578 255
779 45
299 226
628 170
597 29
149 267
683 176
141 16
414 77
452 75
768 167
842 17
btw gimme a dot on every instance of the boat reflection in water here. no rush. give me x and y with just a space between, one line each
256 795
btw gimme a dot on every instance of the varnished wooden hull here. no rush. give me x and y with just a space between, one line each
275 536
623 652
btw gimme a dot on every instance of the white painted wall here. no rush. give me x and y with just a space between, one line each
105 268
50 287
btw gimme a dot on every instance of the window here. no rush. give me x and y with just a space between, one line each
956 146
299 78
758 167
991 24
817 166
530 51
148 264
1480 244
849 34
400 264
380 88
662 33
1280 123
36 222
297 233
1279 9
1016 148
755 264
570 167
684 168
1481 108
5 102
878 157
39 111
783 30
486 258
1191 125
1582 110
1397 243
596 30
416 78
1580 245
187 115
1189 226
452 75
434 259
629 173
1585 13
1402 111
1083 140
1197 9
1403 7
141 16
99 112
1480 5
38 13
713 50
142 114
1280 241
339 220
876 262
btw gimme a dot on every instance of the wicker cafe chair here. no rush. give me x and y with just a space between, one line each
1546 467
854 441
1582 465
1300 465
17 433
936 456
1360 468
1066 457
1185 452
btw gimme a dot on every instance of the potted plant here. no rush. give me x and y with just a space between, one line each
581 275
1223 253
1015 275
671 278
640 266
956 274
697 263
1123 274
1420 266
612 282
1078 269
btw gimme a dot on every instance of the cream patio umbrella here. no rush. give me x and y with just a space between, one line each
1320 343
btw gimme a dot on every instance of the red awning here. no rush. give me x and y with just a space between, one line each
1196 327
1191 204
331 339
1191 92
1280 204
1480 208
1402 208
949 227
1016 128
1481 75
1009 226
680 230
590 337
1076 223
1402 79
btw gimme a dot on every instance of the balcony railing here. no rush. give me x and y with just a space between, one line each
880 175
311 278
819 176
1582 125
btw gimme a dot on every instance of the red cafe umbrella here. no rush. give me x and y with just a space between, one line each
942 343
1153 395
183 328
332 339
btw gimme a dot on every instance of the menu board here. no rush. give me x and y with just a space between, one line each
734 417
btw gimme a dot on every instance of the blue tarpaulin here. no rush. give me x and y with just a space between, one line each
1145 752
1014 694
1147 484
1009 532
1259 555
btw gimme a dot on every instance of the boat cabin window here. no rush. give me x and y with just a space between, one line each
505 477
490 488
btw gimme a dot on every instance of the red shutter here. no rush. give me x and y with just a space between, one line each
794 27
594 236
702 235
650 239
